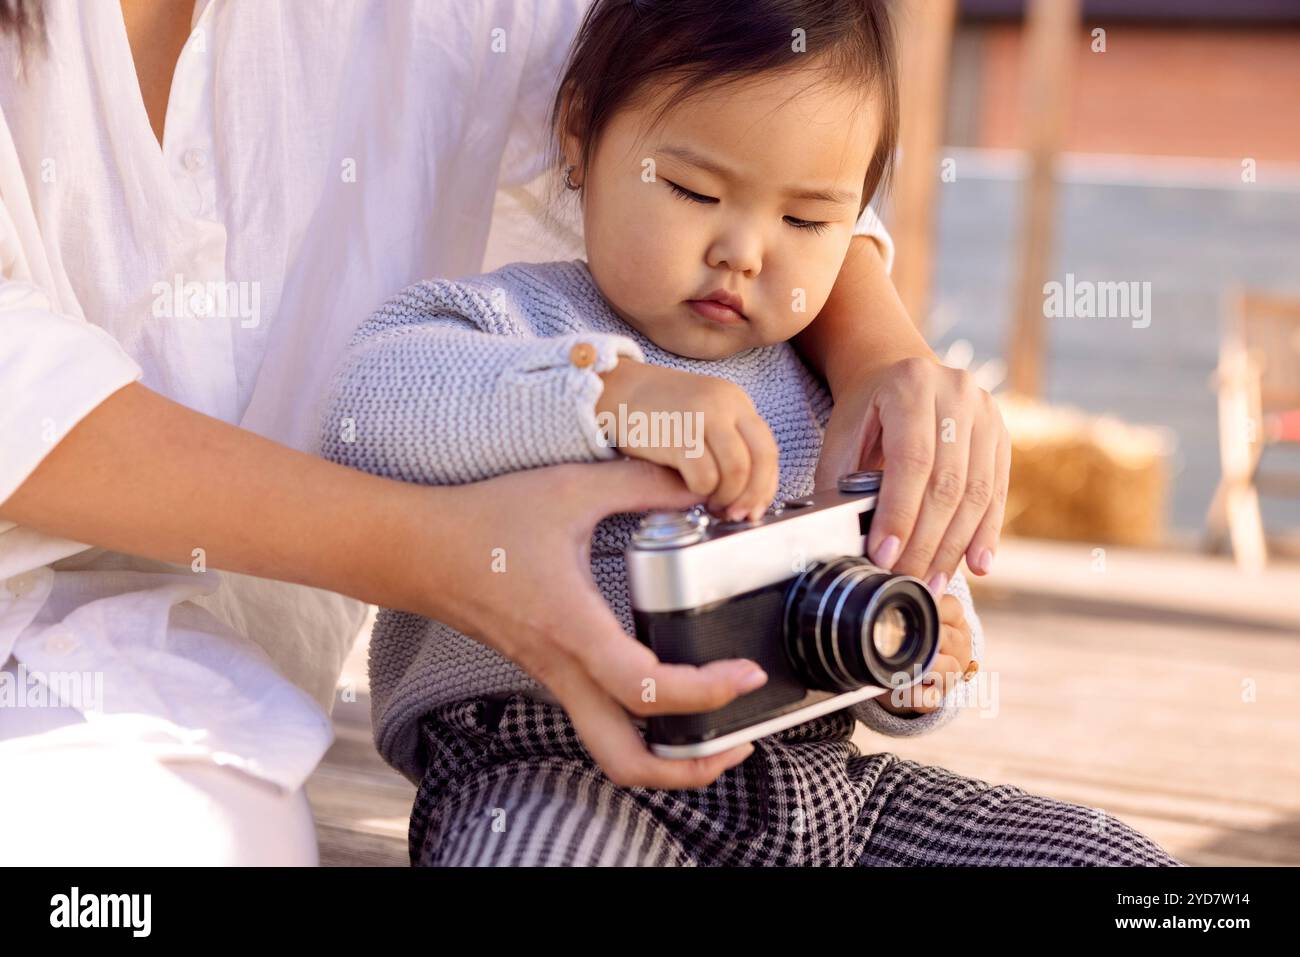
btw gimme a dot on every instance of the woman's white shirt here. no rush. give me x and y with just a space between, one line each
317 158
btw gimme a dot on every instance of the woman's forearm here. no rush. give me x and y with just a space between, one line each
144 475
863 327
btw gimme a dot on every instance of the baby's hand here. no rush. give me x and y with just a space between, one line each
949 664
726 451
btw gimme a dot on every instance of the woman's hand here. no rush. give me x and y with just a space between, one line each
514 573
949 665
505 561
946 455
736 460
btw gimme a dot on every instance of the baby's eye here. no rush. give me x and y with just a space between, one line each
806 224
688 194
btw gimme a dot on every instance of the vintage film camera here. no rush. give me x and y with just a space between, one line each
792 592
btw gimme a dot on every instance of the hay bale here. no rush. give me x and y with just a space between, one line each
1085 477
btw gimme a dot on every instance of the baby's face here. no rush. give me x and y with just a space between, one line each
752 189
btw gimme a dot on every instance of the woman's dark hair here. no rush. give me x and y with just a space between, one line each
23 19
625 45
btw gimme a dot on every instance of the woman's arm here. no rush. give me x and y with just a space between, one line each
942 437
144 475
148 476
863 328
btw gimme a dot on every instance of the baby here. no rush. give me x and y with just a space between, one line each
724 155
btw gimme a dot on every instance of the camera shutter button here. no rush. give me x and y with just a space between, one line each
669 529
860 481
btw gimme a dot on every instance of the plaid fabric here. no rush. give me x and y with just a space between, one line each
508 782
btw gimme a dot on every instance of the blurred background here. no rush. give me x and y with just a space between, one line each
1143 622
1143 616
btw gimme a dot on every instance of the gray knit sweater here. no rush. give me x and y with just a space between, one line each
458 381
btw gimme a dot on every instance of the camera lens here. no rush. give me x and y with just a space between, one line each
889 631
849 624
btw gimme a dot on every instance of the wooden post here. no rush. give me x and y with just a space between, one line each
1051 32
924 46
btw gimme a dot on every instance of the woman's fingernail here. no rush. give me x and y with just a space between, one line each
932 697
984 561
887 552
938 583
754 677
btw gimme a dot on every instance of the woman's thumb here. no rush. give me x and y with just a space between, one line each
634 485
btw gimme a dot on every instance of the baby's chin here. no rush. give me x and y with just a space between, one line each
697 338
707 344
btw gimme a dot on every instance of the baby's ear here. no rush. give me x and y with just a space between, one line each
571 131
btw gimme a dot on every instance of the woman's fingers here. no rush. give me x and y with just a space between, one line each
976 499
984 545
907 443
599 489
945 488
587 630
630 673
941 440
615 744
554 623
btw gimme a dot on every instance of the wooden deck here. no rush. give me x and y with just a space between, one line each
1164 689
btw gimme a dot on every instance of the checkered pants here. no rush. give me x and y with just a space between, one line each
509 783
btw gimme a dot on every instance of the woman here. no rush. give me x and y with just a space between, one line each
198 207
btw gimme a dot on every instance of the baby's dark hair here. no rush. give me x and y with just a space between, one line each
625 45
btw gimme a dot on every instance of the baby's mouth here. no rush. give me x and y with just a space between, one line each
718 312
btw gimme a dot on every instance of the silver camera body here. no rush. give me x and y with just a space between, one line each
793 592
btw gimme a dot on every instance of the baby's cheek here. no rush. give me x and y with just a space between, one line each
796 295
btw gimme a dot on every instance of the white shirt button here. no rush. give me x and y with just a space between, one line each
194 160
21 585
59 642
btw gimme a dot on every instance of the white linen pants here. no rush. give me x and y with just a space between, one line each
69 797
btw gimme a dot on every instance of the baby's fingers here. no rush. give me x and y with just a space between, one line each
927 694
764 469
700 472
951 611
732 455
954 644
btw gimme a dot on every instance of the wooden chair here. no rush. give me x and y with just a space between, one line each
1258 383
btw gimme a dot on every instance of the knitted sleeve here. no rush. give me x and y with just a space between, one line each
876 718
448 383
